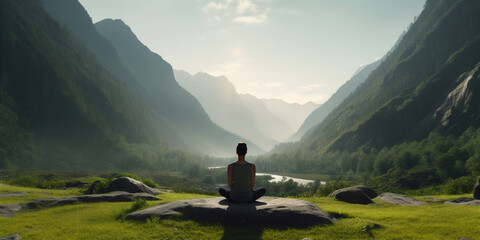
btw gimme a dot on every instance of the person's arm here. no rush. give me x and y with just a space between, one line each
252 180
229 173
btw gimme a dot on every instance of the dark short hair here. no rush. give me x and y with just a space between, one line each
241 148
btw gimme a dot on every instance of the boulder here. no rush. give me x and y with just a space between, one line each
352 195
399 199
271 211
476 190
368 191
11 237
464 201
130 185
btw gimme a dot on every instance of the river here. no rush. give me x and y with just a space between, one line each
280 178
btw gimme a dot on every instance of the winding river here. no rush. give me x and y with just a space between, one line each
280 178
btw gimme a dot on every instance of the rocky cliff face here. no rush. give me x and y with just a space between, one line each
462 102
429 82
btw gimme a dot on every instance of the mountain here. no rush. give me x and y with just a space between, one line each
292 113
429 82
270 125
181 110
72 14
59 109
343 92
240 115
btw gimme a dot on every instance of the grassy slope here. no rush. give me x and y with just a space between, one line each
97 221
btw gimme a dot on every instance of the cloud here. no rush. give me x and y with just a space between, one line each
246 5
287 11
213 6
248 20
237 11
275 84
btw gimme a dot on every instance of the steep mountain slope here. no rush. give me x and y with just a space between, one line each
59 108
292 113
226 108
72 14
270 125
182 111
429 82
343 92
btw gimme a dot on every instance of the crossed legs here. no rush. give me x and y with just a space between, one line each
257 193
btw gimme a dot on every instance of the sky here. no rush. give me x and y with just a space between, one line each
297 51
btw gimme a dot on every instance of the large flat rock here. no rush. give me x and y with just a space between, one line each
10 209
11 237
464 201
15 194
266 211
109 197
399 199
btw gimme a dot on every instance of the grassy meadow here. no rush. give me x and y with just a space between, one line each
100 221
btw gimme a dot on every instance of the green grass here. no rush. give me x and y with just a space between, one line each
98 221
34 193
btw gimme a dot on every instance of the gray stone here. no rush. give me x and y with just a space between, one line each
351 195
476 190
130 185
109 197
15 194
399 199
10 209
464 201
368 191
266 211
11 237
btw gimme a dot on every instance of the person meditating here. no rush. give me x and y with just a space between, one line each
241 180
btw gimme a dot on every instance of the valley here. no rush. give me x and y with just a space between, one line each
84 103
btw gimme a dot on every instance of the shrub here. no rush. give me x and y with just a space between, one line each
149 182
326 189
45 182
138 204
99 186
460 185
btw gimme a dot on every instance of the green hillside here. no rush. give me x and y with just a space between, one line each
425 66
415 116
60 109
55 97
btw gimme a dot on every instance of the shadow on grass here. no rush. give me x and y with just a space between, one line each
234 232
